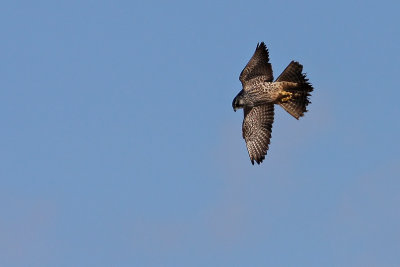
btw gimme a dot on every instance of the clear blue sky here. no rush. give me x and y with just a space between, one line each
119 145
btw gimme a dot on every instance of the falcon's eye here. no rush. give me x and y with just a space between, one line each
239 102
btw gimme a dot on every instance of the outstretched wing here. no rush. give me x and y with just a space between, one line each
257 128
258 66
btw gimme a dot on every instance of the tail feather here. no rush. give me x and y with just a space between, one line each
297 105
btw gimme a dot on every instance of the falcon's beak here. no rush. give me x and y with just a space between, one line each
234 104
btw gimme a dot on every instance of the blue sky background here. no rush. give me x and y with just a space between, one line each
119 145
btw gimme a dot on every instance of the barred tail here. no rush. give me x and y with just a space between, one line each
297 105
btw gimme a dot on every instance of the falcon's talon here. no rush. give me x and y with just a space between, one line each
288 96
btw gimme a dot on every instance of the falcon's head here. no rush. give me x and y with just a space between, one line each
238 101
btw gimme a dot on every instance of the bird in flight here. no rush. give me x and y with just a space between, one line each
260 93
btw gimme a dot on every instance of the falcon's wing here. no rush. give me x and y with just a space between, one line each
257 127
258 66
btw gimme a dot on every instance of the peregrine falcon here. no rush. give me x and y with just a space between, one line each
260 93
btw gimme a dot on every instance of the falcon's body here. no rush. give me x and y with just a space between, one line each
259 94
